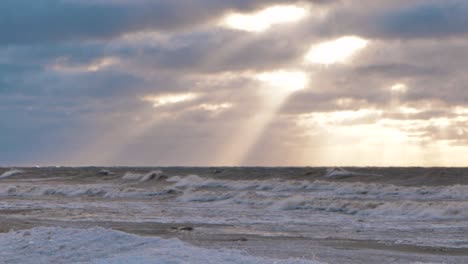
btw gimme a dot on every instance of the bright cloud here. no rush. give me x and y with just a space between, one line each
168 99
338 118
264 19
288 81
335 51
399 88
215 107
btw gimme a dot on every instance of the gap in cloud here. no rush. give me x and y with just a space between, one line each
215 107
161 100
399 88
264 19
335 51
284 81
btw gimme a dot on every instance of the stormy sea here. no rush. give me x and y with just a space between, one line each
233 215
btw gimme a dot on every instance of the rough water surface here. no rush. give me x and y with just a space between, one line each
233 215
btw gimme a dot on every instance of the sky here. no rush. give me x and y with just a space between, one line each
234 82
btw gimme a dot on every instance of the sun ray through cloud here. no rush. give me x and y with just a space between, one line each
277 87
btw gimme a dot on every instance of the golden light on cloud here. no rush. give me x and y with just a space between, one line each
399 88
460 110
355 137
215 107
336 51
410 110
330 119
264 19
168 99
284 81
400 134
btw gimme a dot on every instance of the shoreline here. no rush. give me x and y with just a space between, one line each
216 236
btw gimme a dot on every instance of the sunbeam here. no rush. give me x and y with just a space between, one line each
276 87
114 137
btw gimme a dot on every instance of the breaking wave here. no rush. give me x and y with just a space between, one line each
153 175
10 173
353 198
90 190
402 209
342 173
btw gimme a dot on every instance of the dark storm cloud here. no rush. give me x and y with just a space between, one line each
402 70
222 51
404 20
434 19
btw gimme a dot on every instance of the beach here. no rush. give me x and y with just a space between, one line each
234 215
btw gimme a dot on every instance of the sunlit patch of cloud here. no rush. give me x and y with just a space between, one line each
215 107
284 81
335 51
399 88
168 99
264 19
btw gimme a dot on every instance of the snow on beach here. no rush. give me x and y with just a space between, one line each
43 245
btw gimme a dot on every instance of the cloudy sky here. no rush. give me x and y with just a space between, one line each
234 82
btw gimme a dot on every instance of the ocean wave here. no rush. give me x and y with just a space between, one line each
201 196
355 198
10 173
89 190
143 177
274 188
321 188
434 210
339 173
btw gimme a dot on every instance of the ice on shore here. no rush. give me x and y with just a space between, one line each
103 246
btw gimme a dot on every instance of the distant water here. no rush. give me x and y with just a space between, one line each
422 209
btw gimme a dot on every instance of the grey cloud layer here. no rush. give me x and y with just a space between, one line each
402 19
43 110
25 21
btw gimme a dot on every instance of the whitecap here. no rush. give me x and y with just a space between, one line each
10 173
